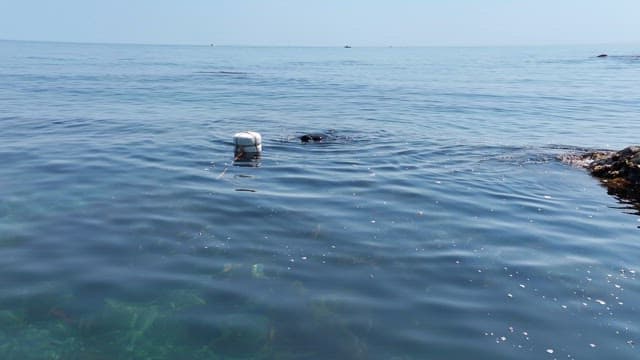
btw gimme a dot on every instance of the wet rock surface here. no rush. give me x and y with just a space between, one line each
328 136
618 170
314 137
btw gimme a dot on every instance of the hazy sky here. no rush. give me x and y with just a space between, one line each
324 22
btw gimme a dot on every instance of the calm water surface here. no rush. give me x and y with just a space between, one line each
436 223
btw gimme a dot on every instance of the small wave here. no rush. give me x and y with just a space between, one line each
222 72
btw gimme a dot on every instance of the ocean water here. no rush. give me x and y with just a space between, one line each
435 222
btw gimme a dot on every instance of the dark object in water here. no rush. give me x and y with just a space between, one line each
347 46
619 171
602 55
312 137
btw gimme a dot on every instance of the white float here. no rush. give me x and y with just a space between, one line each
247 144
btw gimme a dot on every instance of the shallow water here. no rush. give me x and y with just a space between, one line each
435 223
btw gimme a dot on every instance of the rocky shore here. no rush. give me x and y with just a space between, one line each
619 171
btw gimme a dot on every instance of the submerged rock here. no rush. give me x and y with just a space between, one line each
618 170
330 136
316 137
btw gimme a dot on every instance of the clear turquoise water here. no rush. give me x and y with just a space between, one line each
435 224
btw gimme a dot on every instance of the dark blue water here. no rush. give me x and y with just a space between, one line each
435 223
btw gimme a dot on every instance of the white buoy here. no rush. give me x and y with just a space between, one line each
247 144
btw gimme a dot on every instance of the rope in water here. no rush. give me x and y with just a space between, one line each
239 156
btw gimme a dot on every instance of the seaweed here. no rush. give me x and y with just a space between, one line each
169 327
21 340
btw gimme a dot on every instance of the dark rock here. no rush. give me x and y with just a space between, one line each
623 164
619 171
312 137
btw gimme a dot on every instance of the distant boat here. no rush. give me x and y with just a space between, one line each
347 46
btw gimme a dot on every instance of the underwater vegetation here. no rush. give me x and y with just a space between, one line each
168 327
121 330
22 340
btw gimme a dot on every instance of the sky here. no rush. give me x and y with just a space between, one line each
324 22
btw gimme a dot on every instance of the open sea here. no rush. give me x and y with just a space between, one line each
434 222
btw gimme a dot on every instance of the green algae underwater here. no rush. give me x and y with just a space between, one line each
51 328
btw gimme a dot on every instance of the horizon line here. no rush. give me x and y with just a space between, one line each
350 45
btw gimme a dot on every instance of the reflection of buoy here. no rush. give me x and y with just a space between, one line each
247 144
